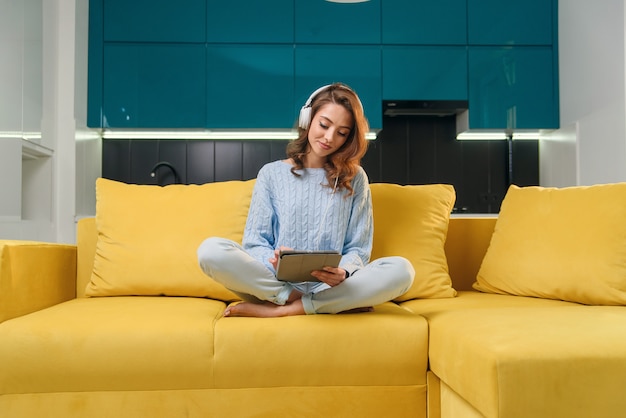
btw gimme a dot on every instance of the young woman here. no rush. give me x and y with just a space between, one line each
316 199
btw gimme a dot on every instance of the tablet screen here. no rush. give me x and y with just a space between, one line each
296 266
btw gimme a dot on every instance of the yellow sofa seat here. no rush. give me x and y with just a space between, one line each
157 343
472 300
387 347
106 344
511 356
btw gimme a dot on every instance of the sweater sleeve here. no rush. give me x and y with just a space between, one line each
259 234
360 231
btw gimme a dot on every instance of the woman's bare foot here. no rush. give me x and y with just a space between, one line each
265 310
295 295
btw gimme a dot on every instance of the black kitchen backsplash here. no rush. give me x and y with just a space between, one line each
409 150
424 149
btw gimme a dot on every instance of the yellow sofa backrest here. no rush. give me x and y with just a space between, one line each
86 238
466 245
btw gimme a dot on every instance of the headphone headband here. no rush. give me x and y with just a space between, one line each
304 120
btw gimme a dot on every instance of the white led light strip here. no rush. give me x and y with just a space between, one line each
208 134
496 136
29 136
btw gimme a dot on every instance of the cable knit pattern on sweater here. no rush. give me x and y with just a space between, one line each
303 213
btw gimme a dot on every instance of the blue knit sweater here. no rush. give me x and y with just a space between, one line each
303 214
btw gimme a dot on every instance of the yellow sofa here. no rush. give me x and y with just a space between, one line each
67 353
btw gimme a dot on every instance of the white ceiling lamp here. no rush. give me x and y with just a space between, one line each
347 1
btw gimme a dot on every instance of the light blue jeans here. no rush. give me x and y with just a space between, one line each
229 264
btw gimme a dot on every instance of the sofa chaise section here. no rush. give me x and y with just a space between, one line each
511 356
505 355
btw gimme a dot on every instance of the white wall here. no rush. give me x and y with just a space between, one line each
590 147
25 180
77 149
88 141
43 80
58 126
20 72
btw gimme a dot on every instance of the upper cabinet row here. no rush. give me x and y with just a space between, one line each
252 64
403 22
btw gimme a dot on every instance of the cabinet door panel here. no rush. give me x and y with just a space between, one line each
154 86
441 22
337 23
512 88
357 66
228 160
254 155
424 73
200 162
173 151
154 21
371 161
250 86
143 155
116 159
394 154
250 21
511 22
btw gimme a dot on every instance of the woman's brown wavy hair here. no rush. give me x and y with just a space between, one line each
343 163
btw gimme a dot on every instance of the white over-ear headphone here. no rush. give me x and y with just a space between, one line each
305 113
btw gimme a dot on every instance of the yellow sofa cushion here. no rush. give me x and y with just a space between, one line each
412 221
567 244
323 350
148 236
538 360
111 344
470 299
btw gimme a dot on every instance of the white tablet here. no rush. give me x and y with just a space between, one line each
296 266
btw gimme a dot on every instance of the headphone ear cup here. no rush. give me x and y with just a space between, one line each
305 117
304 120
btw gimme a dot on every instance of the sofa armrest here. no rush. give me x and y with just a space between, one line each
86 241
35 275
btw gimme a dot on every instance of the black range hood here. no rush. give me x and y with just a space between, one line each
424 107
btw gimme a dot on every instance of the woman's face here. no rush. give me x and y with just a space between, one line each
329 130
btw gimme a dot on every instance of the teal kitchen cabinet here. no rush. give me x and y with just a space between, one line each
358 66
424 73
324 22
153 20
442 22
250 86
95 76
250 21
154 86
512 88
249 64
511 22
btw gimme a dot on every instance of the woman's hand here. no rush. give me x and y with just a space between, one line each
332 276
274 260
